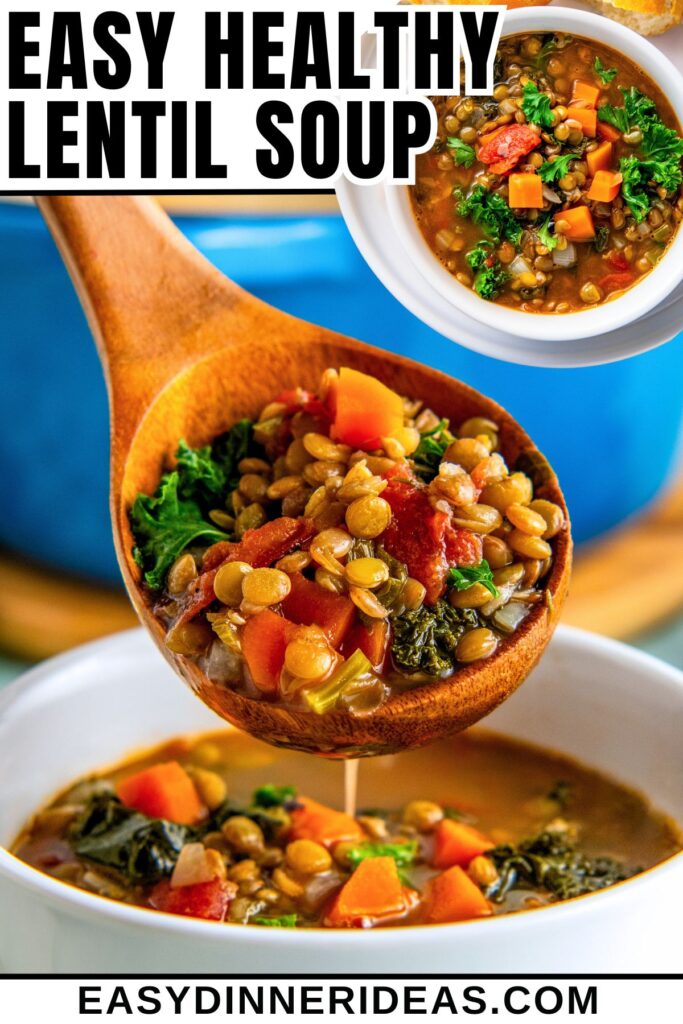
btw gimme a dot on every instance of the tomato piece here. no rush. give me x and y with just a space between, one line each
615 282
163 791
463 547
372 640
416 536
264 641
209 901
365 410
504 148
617 260
309 604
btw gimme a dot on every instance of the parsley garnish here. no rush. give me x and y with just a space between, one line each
490 211
604 74
553 170
462 153
466 577
430 451
286 921
270 795
536 106
544 234
403 853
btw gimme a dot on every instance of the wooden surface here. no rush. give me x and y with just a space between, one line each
186 353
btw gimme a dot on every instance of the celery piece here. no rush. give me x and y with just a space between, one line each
323 698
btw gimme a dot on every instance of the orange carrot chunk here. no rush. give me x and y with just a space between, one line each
608 132
373 891
456 843
600 159
605 186
578 221
587 118
585 94
372 640
525 191
309 604
162 791
264 641
323 824
453 896
365 410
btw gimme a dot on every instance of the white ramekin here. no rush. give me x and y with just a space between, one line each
605 703
592 321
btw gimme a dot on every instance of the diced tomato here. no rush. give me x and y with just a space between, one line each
457 843
617 260
607 132
264 641
309 604
163 791
415 536
311 820
504 148
462 547
453 896
372 640
260 548
615 282
365 410
207 900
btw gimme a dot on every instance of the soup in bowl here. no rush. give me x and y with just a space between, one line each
483 800
560 193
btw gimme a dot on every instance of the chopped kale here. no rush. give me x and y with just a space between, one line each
425 640
602 237
403 853
271 795
493 215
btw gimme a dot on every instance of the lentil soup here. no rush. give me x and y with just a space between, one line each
198 827
345 546
560 191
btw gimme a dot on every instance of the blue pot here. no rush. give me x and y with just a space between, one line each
53 408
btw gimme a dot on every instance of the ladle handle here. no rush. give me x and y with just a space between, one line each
152 300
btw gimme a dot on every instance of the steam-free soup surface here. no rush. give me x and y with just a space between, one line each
465 829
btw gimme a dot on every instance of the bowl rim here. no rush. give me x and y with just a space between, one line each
633 304
91 907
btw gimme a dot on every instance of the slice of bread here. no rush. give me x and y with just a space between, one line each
649 17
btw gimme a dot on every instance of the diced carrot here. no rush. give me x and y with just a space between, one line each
264 640
525 191
162 791
608 132
605 186
309 604
587 118
453 896
323 824
600 159
373 891
585 94
457 843
365 410
580 221
206 900
372 640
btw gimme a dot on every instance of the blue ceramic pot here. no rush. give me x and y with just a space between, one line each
610 431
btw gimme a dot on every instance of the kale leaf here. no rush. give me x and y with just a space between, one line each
141 849
489 273
551 861
490 211
636 111
466 577
164 525
462 153
536 106
424 640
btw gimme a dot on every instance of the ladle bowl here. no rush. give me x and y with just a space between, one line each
186 353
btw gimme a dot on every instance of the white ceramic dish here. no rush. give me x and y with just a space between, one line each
600 701
592 336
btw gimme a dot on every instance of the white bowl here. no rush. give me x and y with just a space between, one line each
609 705
589 322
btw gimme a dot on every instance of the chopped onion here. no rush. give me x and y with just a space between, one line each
222 665
507 619
565 257
519 266
505 592
550 195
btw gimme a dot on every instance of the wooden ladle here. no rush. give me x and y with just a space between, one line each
186 353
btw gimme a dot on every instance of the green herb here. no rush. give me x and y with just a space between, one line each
490 211
662 145
463 579
462 153
323 698
391 591
550 42
606 75
477 257
270 795
553 170
637 110
602 236
641 177
285 921
425 640
402 853
428 454
552 862
164 525
489 273
141 849
545 236
536 106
